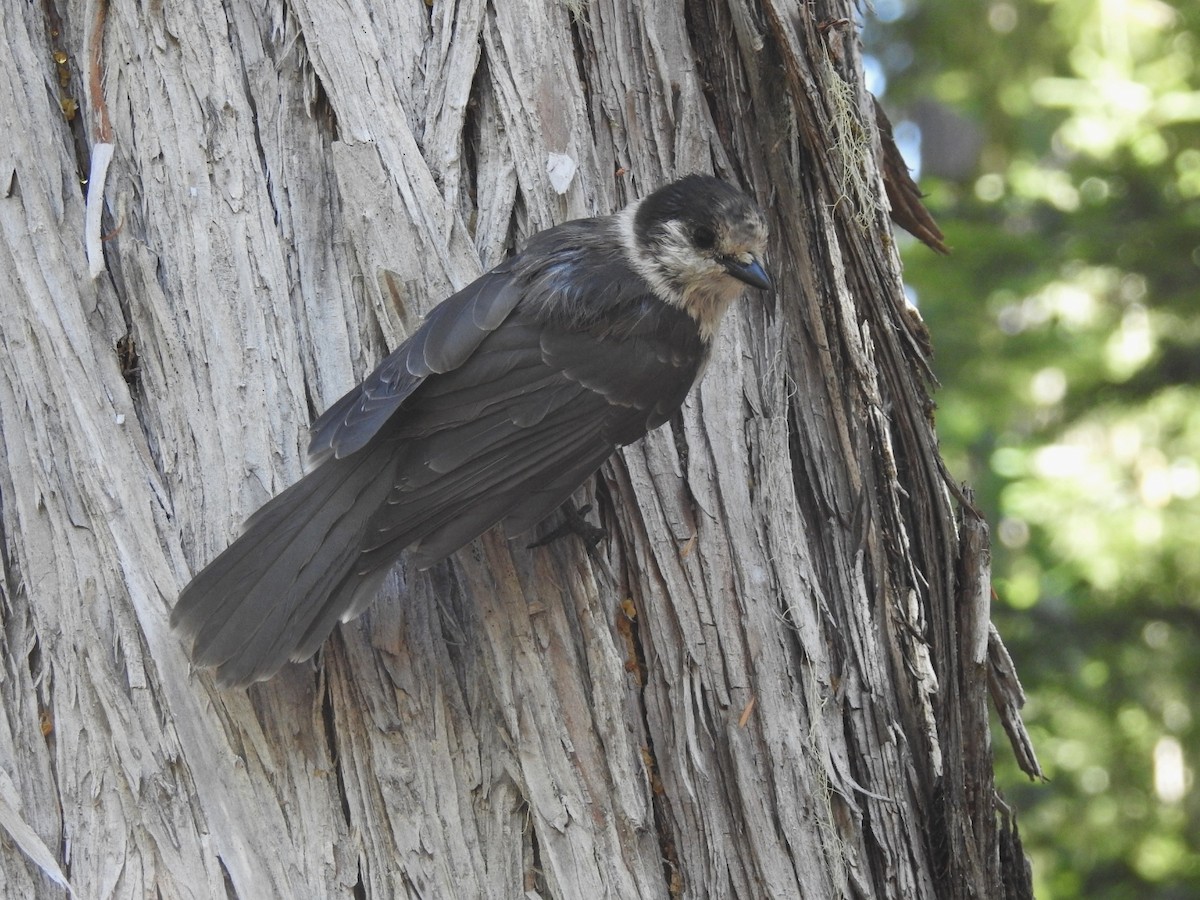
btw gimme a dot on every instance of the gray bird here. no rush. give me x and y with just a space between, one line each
511 393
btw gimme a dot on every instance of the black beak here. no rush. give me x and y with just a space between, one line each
752 272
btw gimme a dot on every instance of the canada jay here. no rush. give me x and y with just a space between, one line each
510 394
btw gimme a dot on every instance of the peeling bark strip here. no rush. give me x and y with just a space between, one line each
800 706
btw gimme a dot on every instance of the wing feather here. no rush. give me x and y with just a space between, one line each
446 339
482 449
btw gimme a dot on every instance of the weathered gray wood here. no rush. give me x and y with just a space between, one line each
771 681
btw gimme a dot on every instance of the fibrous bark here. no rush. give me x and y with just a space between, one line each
771 679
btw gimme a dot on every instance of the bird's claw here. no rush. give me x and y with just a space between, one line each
574 523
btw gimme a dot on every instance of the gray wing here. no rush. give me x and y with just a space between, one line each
520 425
448 336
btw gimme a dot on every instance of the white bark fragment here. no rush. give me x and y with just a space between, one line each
101 157
561 169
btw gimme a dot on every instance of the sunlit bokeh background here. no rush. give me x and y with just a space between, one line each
1059 143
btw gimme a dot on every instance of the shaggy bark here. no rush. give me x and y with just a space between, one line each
770 681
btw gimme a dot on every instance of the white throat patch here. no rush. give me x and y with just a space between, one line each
680 275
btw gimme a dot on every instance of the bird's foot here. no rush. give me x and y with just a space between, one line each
574 523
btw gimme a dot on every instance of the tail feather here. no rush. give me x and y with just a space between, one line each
348 600
268 595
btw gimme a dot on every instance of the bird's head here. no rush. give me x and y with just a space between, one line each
699 242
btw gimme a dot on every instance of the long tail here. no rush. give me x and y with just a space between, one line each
277 592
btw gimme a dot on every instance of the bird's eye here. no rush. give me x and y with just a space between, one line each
704 237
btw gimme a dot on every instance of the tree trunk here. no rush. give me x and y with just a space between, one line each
770 681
